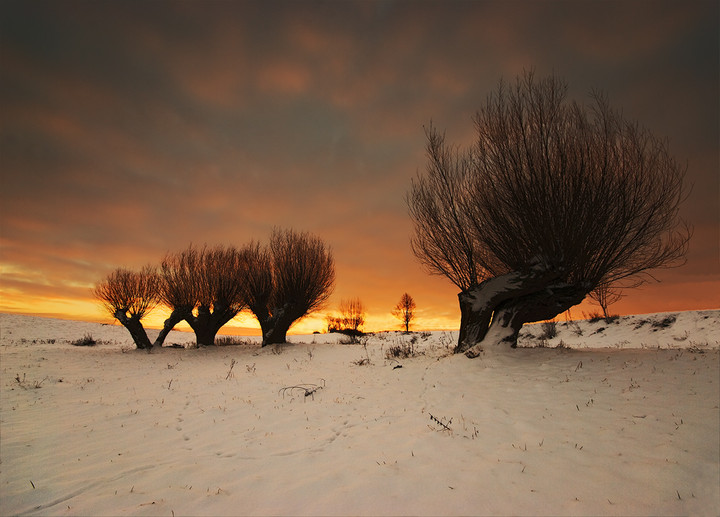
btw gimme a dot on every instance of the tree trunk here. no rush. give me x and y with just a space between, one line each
512 314
207 323
276 335
265 320
504 328
176 316
604 307
136 329
478 303
205 335
275 327
473 323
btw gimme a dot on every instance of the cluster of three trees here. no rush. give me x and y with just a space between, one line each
279 283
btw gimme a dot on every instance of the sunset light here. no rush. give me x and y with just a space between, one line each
359 257
131 130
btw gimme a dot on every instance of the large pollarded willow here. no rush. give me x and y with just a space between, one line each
289 278
129 296
203 286
554 199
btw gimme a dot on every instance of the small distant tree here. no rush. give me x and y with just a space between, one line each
203 286
605 295
287 280
129 296
353 314
405 311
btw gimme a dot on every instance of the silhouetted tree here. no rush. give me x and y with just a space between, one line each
287 280
129 296
553 199
605 295
405 310
352 314
203 287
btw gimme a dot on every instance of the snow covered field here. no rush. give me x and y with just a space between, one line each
618 421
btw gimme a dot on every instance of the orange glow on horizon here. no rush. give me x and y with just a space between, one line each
88 309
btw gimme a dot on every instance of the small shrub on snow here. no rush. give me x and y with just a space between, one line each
364 361
640 323
402 350
232 341
664 323
354 339
575 328
549 330
447 342
594 317
26 385
86 340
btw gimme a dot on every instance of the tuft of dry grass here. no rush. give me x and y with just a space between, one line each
86 340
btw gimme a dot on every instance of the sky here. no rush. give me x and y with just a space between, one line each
132 129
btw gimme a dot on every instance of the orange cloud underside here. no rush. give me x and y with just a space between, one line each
213 122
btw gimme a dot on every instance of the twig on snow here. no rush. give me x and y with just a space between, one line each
230 372
307 389
446 427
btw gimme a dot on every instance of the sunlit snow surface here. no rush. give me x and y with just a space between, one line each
618 421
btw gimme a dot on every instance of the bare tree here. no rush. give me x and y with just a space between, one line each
553 199
203 287
352 315
287 280
178 290
405 310
605 295
129 296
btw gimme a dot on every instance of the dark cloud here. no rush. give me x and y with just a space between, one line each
131 129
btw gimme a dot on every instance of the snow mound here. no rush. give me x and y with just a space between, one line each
687 329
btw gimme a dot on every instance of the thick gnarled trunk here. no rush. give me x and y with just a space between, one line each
207 323
275 335
136 329
473 323
479 303
176 316
510 315
275 327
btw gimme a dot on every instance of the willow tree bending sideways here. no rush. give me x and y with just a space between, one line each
553 199
203 286
288 279
129 296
